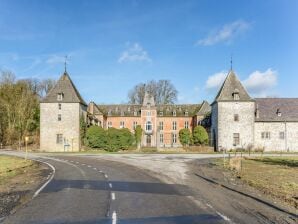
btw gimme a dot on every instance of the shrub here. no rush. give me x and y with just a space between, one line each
138 136
96 137
200 136
185 136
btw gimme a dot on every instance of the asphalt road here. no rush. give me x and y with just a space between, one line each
89 190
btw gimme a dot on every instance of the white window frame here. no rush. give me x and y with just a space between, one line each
161 139
122 124
161 125
186 124
59 138
174 125
60 96
110 124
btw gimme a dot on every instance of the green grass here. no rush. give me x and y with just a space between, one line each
12 166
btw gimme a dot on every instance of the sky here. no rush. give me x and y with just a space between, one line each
114 45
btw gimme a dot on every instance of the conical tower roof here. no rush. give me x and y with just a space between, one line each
65 86
231 86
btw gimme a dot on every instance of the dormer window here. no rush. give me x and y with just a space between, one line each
278 112
186 113
135 113
160 113
60 96
122 113
128 109
174 113
236 94
148 105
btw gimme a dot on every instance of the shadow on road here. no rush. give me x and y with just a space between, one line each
124 186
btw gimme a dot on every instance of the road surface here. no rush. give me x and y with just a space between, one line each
101 189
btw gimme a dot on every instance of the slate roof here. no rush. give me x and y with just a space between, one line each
231 85
65 86
167 110
268 108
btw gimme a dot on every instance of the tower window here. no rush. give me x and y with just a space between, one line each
236 94
236 117
59 138
60 96
148 126
59 106
278 112
236 139
281 135
59 117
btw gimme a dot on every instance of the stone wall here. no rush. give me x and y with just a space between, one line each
275 142
227 126
69 126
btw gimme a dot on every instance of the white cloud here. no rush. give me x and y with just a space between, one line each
260 83
225 33
55 59
135 52
215 81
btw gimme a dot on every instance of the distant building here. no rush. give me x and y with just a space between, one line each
239 121
60 114
160 123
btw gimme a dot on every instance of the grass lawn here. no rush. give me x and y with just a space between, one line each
11 167
277 176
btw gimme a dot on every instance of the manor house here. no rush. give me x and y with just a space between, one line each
236 121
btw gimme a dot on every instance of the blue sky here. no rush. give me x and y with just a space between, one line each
113 45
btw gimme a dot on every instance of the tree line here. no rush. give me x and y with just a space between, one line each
19 107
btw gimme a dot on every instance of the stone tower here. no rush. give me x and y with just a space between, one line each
60 114
233 116
149 121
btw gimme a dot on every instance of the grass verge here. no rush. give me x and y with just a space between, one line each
275 176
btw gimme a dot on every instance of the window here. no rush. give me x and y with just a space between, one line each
161 138
134 126
59 106
122 113
174 138
121 124
135 113
236 94
186 113
59 117
128 109
160 113
278 112
281 135
174 113
265 135
59 138
236 139
186 124
236 117
60 96
148 126
109 113
110 124
174 125
148 113
161 126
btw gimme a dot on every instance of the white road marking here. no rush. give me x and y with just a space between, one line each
223 216
95 168
89 166
106 176
113 196
71 161
49 180
110 185
100 171
114 218
83 164
77 162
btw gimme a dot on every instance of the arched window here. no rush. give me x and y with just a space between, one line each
148 126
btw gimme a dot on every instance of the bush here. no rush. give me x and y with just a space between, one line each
200 136
96 137
185 136
111 140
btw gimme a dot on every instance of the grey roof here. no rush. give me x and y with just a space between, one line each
230 86
268 108
148 99
120 109
162 110
65 86
204 109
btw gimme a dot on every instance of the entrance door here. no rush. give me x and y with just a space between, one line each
148 140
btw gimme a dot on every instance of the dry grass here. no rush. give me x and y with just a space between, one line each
13 168
277 176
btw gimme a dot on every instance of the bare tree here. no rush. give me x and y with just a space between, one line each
45 86
163 91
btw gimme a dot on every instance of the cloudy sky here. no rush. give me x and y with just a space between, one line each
113 45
